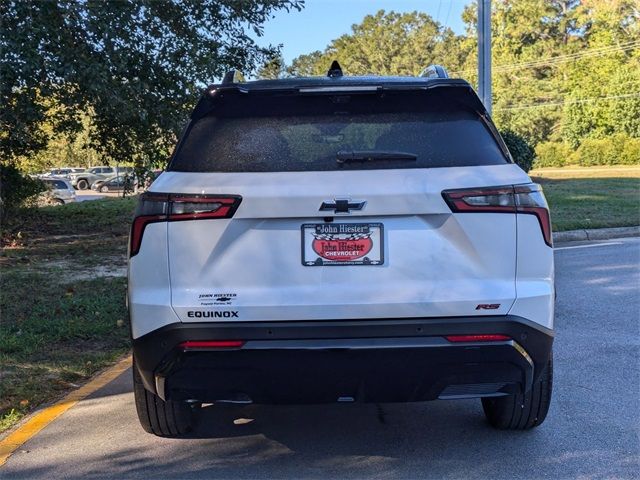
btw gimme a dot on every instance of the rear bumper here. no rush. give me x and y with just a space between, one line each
326 361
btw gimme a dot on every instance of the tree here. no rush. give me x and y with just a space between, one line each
524 34
272 68
387 43
603 96
62 150
309 65
137 65
550 80
522 153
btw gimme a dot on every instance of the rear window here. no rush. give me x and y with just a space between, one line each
307 133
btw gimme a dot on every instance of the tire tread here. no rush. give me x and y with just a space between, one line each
522 411
162 418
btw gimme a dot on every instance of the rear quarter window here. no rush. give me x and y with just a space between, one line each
56 184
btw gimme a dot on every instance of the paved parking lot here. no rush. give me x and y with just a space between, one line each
86 195
592 430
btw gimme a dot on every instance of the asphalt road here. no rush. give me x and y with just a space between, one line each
592 430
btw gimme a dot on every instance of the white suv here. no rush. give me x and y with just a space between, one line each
341 239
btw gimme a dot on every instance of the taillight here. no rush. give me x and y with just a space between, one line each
527 199
152 207
167 207
477 338
530 199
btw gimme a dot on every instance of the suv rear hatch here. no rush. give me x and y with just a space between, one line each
327 203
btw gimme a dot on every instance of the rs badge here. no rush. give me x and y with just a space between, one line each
488 306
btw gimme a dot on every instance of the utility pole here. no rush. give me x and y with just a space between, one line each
484 52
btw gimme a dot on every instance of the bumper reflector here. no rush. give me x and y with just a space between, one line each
212 344
477 338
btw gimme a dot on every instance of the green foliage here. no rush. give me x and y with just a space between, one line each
62 150
552 79
618 149
630 152
610 82
519 148
137 66
16 188
309 65
614 150
553 154
387 43
272 68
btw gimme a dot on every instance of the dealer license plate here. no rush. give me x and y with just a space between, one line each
325 244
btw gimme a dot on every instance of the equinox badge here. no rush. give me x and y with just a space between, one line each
344 206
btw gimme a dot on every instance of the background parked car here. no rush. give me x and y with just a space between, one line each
148 180
63 172
60 191
115 184
85 180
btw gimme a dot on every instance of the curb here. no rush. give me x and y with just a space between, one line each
596 234
43 417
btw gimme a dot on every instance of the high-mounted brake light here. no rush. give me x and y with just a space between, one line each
527 199
341 89
477 338
166 207
204 344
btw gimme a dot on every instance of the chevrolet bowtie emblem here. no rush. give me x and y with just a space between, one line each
342 206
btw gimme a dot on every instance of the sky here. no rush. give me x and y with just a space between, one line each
321 21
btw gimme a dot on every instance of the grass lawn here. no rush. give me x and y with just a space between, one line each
594 197
62 300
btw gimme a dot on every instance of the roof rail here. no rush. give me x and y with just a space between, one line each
435 71
233 76
335 70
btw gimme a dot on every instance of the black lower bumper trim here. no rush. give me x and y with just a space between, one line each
323 361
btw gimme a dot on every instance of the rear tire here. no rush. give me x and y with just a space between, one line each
522 411
162 418
82 184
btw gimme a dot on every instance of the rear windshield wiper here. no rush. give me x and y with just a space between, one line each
351 156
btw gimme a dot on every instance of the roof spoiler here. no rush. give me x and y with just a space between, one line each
335 71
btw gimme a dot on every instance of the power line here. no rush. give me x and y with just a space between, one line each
570 102
570 57
551 61
446 22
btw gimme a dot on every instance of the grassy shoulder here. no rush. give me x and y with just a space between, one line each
591 197
62 298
